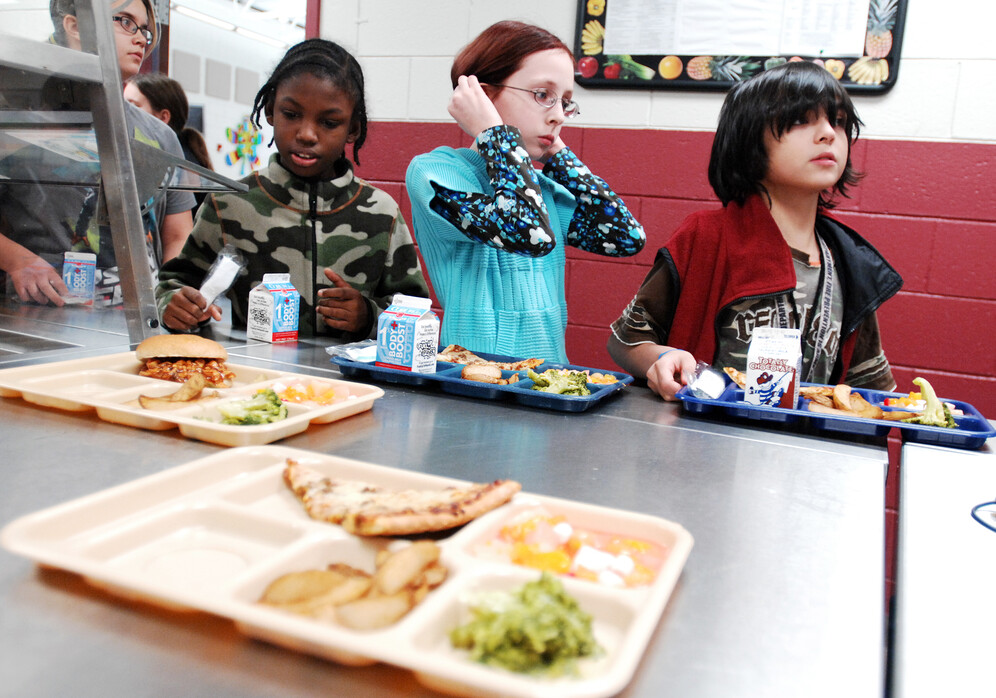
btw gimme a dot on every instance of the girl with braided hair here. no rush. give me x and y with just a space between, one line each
344 242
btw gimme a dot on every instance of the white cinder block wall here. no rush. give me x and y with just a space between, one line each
946 90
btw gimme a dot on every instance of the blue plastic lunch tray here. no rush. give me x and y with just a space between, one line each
972 432
447 378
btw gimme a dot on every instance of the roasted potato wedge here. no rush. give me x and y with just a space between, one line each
821 399
189 393
863 408
824 409
356 599
300 591
897 415
370 613
161 404
402 567
814 391
482 373
842 397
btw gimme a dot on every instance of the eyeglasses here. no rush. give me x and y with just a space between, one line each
130 27
547 98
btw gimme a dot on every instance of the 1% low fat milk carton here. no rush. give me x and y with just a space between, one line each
79 273
774 364
408 335
274 310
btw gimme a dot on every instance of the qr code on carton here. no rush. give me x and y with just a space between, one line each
258 316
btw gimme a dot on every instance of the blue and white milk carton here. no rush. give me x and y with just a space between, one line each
79 274
774 364
408 335
274 310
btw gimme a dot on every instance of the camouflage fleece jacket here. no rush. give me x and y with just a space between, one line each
285 224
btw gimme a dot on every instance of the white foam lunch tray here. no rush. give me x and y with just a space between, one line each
210 535
110 385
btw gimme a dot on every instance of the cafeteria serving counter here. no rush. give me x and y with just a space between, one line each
945 605
782 594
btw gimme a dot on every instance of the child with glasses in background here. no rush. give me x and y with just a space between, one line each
491 228
40 223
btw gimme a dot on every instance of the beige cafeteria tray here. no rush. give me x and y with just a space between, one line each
210 535
111 385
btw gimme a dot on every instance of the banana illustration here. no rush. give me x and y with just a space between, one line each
591 38
869 71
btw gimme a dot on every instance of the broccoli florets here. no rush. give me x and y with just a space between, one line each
560 382
935 413
262 408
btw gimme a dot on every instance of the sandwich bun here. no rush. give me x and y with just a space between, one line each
192 346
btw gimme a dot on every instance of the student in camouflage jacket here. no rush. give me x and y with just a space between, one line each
285 224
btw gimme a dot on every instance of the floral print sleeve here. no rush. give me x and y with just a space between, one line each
514 218
602 223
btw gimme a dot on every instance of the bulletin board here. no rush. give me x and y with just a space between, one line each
713 44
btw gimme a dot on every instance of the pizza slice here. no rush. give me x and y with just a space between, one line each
738 377
456 354
365 509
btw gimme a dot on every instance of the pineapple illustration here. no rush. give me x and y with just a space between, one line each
881 20
727 68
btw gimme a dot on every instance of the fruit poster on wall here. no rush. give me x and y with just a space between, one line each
712 44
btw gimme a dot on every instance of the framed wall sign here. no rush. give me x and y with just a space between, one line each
712 44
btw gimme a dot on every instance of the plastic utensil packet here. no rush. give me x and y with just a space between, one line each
222 273
364 351
705 382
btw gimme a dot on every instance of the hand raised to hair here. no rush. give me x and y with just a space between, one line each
471 107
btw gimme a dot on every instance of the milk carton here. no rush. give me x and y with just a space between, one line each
274 310
774 363
408 335
79 274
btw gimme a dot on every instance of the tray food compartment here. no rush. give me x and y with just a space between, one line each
659 539
111 386
453 670
972 432
191 549
470 388
211 535
448 379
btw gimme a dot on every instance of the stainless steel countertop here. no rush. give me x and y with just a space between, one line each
782 595
945 605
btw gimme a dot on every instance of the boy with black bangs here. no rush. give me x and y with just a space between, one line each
771 256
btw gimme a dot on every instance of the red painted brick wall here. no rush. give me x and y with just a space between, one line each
929 207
